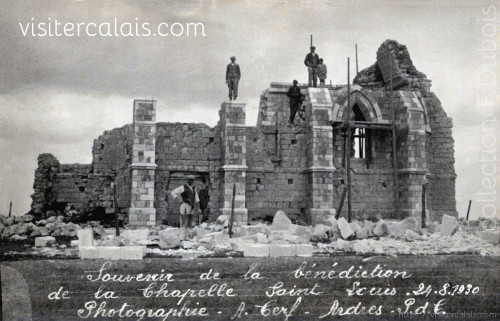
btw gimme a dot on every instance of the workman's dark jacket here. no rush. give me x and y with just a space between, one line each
294 94
312 60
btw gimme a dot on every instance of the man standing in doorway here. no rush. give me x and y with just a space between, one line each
311 61
189 201
233 76
204 199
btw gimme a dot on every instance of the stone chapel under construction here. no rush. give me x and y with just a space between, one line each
300 168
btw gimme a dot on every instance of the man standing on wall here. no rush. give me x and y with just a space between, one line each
322 71
233 76
189 201
296 99
311 61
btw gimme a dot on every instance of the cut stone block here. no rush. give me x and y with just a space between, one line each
490 236
304 250
369 225
171 237
187 244
44 241
132 252
346 230
277 250
190 255
411 235
74 243
320 233
135 235
85 237
380 229
223 220
302 231
219 241
246 230
398 229
89 252
342 245
295 239
362 233
109 252
355 226
333 223
256 250
449 225
281 221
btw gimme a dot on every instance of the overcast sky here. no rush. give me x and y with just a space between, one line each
57 94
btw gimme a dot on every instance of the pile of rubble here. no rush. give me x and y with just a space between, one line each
281 238
20 227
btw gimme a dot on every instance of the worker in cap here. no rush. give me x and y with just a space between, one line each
312 61
296 99
233 76
190 200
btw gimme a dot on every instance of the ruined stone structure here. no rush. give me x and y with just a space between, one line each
300 168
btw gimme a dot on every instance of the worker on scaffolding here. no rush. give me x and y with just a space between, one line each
296 99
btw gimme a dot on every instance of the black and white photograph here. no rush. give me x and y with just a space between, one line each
286 160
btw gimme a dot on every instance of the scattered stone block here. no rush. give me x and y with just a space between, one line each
304 250
44 241
89 252
449 225
109 252
320 233
187 244
346 230
398 229
200 232
355 226
132 252
219 241
74 243
302 231
191 255
256 250
411 236
277 250
135 235
85 237
281 221
223 220
295 239
369 225
359 247
333 223
342 245
380 229
170 237
262 238
490 236
362 233
17 237
245 230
